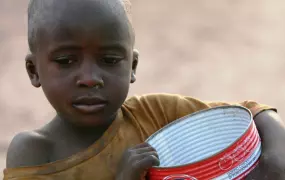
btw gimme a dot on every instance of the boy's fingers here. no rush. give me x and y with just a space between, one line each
145 149
146 154
146 163
142 145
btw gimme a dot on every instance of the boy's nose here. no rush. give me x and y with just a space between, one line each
90 78
90 83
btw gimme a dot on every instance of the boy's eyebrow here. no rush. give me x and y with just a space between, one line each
114 46
63 47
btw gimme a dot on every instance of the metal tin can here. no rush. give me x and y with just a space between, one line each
220 143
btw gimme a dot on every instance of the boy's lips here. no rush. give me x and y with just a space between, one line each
89 104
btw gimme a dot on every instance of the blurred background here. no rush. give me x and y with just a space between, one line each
229 50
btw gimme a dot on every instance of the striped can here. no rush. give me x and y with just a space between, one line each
220 143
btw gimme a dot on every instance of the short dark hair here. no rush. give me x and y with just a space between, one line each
37 10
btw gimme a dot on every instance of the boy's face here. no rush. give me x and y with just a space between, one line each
84 62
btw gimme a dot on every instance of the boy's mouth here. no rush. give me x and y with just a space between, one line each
89 104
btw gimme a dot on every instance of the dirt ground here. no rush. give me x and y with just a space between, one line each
228 50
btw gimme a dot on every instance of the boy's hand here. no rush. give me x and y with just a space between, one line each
272 132
136 161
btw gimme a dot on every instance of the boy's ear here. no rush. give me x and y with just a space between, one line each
134 65
32 70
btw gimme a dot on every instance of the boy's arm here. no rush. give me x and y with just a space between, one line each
27 149
272 131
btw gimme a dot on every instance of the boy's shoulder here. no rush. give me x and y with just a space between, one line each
29 148
154 97
165 99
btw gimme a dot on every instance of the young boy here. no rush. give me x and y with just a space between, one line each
82 56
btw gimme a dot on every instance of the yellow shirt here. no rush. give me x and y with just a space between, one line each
138 118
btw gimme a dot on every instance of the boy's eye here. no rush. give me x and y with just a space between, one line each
111 60
65 60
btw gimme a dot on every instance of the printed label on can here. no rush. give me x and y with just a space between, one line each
243 168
